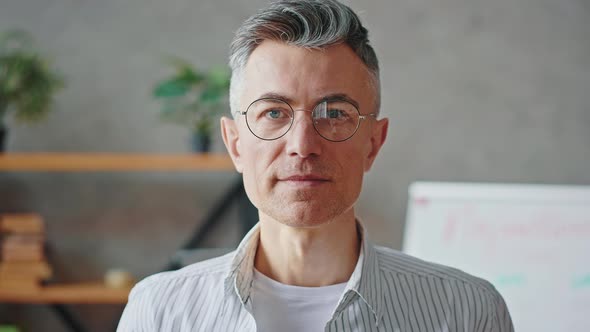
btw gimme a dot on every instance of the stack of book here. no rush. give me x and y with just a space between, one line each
22 257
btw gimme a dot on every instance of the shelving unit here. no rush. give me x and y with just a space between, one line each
59 295
73 293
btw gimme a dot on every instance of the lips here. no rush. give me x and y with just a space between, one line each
310 177
304 181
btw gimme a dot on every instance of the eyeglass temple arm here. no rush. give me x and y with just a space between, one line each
363 117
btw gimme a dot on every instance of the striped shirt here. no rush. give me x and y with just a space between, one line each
387 291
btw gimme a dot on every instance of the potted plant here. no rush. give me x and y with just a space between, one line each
194 98
27 84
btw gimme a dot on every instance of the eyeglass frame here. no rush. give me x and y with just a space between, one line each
361 117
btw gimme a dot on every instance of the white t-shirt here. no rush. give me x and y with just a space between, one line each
286 308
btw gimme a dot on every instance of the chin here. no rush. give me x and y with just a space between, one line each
305 215
303 223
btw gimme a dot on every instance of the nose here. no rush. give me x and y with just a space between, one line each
302 138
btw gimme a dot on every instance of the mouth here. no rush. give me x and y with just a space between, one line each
304 180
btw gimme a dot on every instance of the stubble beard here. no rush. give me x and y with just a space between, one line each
306 207
303 208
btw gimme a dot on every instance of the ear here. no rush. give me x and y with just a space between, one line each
231 139
378 135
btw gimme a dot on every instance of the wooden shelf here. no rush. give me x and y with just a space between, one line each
80 293
98 162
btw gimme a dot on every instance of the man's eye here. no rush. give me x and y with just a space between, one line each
274 114
336 114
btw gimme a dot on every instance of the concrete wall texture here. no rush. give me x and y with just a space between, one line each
492 91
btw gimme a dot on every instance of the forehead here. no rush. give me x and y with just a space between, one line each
305 75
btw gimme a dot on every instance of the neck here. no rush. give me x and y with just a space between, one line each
310 257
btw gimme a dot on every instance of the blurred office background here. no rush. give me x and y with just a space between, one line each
486 91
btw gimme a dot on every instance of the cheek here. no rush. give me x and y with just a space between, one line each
258 157
355 173
355 155
253 186
353 167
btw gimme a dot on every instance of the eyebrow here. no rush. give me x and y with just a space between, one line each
274 95
326 98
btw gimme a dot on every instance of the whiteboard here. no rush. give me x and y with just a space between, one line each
532 242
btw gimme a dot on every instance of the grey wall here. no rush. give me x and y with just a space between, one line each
475 90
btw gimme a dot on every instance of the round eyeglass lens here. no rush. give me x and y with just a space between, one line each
269 119
336 120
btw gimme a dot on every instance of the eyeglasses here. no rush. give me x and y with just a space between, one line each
334 120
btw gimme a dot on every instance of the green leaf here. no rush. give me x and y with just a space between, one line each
193 97
185 70
219 77
171 88
210 95
189 76
27 84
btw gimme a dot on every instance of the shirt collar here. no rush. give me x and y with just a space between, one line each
240 276
365 281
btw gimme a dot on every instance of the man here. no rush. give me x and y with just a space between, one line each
305 99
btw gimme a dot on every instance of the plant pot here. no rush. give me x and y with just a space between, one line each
3 137
201 143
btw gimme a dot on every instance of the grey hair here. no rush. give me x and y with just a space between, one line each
313 24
